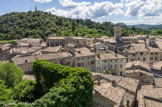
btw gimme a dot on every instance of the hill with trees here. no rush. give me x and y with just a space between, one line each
38 24
145 26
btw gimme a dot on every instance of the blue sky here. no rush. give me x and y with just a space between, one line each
126 11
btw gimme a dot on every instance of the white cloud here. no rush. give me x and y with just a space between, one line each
152 20
151 8
71 4
142 11
87 10
133 7
140 8
43 1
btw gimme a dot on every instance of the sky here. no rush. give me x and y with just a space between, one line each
130 12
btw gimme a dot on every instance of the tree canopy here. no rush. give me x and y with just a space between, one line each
10 73
40 24
65 86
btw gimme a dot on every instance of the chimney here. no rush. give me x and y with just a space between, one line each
114 83
98 81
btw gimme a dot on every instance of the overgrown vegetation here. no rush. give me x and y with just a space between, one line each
18 25
55 86
69 87
108 72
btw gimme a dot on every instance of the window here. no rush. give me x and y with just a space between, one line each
156 53
78 64
144 59
151 58
98 68
121 65
156 58
121 73
78 59
152 53
105 61
115 60
110 60
115 66
128 103
88 63
110 66
98 62
82 63
82 58
140 74
92 62
121 60
141 53
104 67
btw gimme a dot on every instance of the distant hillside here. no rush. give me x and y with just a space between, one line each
18 25
150 27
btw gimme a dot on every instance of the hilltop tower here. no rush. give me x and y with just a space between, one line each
35 8
117 34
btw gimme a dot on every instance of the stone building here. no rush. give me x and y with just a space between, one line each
79 57
30 41
109 61
78 41
84 58
6 51
117 34
159 43
154 54
25 62
157 68
137 52
140 71
97 46
144 77
149 96
154 50
114 91
138 65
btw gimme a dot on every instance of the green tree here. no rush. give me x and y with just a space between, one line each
5 94
10 73
73 26
25 91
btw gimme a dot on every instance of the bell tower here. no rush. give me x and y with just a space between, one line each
117 33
